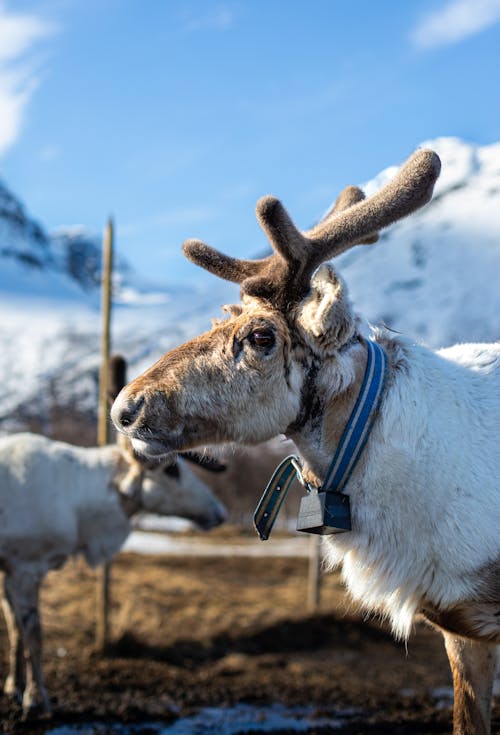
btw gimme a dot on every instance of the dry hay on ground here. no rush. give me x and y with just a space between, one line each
209 631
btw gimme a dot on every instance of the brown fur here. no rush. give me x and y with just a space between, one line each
334 420
336 416
220 357
284 277
473 667
467 619
478 618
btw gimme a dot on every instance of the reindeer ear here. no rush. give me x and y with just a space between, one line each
326 316
117 376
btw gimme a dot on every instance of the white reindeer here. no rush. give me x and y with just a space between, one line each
425 495
59 500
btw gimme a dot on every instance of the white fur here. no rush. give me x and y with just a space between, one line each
57 500
425 498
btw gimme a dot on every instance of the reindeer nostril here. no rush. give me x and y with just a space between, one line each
125 416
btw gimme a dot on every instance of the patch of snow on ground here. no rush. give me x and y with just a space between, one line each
249 718
226 721
142 542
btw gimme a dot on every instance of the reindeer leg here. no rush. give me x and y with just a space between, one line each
22 589
473 668
15 682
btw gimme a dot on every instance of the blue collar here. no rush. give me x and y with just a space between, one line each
348 451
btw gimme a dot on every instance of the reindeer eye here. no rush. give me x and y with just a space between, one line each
263 338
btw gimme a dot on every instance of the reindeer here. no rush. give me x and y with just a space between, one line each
59 500
425 499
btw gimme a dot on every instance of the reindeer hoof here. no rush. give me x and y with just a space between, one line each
12 690
36 707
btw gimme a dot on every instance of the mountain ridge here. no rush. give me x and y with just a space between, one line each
432 276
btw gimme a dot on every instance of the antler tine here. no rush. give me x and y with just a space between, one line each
347 198
231 269
286 272
284 276
409 190
284 237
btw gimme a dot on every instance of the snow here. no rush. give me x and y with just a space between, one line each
228 721
141 542
50 346
429 276
251 718
36 338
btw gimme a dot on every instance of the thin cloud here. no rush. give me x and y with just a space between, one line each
49 152
19 34
456 20
180 217
220 18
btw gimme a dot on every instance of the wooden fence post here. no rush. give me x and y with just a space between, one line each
103 574
314 576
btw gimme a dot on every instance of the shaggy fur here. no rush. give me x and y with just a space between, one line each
58 500
284 277
425 498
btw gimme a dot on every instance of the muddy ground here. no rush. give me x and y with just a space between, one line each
191 632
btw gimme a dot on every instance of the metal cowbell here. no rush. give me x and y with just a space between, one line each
324 512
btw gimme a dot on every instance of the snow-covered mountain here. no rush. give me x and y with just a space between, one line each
64 264
50 322
432 276
27 261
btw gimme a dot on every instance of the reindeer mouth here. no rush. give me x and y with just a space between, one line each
150 448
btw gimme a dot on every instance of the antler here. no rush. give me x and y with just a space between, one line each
231 269
284 277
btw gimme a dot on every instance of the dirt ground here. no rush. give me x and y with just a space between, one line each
192 632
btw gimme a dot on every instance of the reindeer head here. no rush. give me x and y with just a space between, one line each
254 375
166 487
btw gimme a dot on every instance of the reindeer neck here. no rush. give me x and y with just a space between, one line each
335 384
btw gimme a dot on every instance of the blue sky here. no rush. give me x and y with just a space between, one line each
177 116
